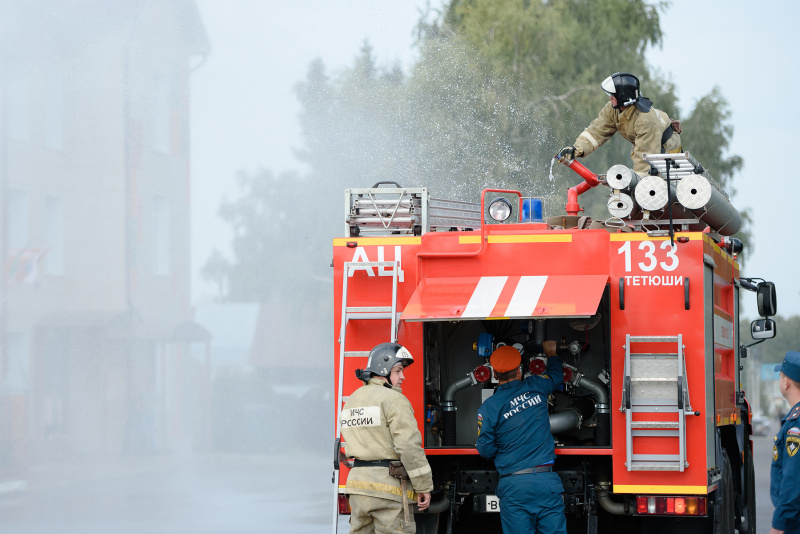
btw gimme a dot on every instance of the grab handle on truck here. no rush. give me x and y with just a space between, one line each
627 396
336 452
686 293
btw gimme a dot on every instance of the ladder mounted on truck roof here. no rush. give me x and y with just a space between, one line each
405 211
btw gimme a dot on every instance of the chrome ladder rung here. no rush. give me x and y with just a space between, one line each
654 339
654 379
369 309
654 424
356 353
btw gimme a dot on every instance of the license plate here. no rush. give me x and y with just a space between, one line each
492 503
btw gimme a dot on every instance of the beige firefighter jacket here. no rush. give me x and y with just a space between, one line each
644 130
378 424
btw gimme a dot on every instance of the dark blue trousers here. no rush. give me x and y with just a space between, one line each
532 504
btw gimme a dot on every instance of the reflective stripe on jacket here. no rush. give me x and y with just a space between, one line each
378 424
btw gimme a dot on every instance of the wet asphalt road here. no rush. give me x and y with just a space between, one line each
214 494
762 455
208 494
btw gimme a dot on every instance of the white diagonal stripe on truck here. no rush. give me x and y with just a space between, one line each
526 296
484 297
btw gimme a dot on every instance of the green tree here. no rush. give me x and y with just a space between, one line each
708 133
499 87
275 245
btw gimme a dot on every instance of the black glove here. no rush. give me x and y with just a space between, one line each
568 153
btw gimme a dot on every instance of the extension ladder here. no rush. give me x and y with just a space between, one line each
350 313
655 384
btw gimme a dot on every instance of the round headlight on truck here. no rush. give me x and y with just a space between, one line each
500 209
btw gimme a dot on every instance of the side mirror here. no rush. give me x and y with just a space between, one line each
763 328
766 299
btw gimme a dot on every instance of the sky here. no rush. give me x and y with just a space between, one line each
244 109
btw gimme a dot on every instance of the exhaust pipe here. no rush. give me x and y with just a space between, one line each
612 507
436 507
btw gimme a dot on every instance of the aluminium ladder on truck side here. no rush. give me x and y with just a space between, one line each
654 384
399 210
350 313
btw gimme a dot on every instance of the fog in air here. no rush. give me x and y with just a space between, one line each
140 389
166 312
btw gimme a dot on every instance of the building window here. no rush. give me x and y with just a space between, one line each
17 371
54 108
17 219
160 236
54 236
18 111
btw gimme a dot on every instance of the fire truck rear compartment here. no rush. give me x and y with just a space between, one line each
579 413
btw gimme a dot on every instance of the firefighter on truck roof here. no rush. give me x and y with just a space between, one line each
784 488
379 427
649 129
514 430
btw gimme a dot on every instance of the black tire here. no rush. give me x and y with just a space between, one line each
723 501
748 492
427 523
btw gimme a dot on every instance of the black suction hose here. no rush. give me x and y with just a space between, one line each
602 433
449 407
449 430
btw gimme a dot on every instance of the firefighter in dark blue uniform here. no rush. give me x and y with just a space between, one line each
784 486
514 430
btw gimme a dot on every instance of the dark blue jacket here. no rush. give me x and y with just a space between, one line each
784 488
513 424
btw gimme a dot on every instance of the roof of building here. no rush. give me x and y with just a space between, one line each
56 29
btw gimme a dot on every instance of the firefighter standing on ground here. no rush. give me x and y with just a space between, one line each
514 430
378 426
649 129
784 488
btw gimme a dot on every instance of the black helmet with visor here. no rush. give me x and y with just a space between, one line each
624 86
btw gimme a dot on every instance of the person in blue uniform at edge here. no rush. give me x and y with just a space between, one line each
784 483
514 431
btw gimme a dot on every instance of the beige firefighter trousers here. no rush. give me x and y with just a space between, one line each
370 515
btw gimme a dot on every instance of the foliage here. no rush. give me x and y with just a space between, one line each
707 134
274 245
499 87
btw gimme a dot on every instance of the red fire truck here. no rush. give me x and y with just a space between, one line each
652 428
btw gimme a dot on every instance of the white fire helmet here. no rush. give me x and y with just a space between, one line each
382 358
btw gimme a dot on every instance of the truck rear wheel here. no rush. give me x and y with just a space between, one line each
723 502
427 523
749 492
